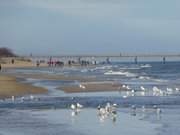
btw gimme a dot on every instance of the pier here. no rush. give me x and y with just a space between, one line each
130 57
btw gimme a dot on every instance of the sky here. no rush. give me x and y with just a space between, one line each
57 27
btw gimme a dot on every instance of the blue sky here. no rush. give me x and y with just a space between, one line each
90 26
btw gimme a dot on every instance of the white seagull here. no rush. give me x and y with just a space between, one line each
142 88
79 106
31 97
13 98
82 86
73 107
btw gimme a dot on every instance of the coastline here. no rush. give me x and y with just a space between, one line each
11 87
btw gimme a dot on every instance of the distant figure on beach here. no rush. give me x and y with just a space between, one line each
0 67
164 60
69 62
50 62
12 61
37 63
107 60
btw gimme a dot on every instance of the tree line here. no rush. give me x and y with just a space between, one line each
6 52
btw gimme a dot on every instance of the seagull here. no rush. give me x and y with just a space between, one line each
125 96
127 87
169 90
124 86
114 109
13 98
132 91
73 107
115 105
31 97
158 111
108 107
73 113
177 89
102 112
142 88
143 108
99 107
109 110
142 93
79 106
156 91
82 86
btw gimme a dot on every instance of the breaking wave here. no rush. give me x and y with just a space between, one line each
128 74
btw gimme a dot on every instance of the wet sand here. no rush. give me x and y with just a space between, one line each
89 82
9 86
93 87
44 76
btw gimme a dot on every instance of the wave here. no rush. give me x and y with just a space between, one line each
160 80
146 66
129 68
103 67
144 77
151 79
84 70
128 74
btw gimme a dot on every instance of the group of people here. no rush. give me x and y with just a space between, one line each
55 63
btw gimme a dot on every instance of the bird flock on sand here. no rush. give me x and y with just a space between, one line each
155 91
111 110
142 91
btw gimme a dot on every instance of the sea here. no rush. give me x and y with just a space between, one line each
152 86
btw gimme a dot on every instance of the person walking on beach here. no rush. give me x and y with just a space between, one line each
12 61
37 63
0 68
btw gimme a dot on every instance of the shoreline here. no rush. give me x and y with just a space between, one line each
11 87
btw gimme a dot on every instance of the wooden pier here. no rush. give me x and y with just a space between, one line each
134 57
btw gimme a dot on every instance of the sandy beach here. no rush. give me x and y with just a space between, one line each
16 88
90 83
6 63
9 86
